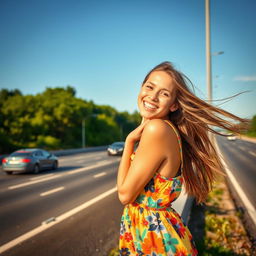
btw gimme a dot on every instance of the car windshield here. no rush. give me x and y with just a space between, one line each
22 154
120 144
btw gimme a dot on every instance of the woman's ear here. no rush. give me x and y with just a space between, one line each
173 107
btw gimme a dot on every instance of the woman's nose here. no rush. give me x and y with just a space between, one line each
154 96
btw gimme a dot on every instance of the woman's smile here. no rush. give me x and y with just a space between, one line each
149 106
156 96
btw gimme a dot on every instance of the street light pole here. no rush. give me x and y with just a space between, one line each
83 133
208 51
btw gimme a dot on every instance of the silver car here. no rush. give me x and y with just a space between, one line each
116 148
29 160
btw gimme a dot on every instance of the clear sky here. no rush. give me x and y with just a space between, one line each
105 48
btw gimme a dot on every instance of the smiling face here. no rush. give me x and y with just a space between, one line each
157 96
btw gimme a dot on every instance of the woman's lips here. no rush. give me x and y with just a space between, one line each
149 106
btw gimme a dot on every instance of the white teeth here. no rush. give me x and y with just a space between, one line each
148 105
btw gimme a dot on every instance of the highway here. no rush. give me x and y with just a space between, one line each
240 156
67 212
30 202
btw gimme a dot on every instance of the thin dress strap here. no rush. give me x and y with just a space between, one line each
179 141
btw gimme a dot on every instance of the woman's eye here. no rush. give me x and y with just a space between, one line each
165 94
149 86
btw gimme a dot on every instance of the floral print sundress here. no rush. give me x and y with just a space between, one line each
150 226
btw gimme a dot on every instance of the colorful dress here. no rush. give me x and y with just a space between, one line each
150 226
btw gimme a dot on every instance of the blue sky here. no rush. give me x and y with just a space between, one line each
105 48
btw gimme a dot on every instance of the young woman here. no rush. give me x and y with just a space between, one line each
174 149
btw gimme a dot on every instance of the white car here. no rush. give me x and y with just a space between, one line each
231 137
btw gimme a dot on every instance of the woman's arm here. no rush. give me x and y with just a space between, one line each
133 176
130 141
125 163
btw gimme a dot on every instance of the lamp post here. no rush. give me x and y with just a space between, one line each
83 133
208 51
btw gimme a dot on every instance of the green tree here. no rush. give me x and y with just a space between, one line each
252 130
53 120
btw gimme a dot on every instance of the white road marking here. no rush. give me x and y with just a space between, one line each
82 157
102 163
55 220
98 157
91 167
33 182
81 161
51 191
252 153
249 206
243 148
99 174
41 177
105 162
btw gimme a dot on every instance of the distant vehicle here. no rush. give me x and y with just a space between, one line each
29 160
116 148
231 137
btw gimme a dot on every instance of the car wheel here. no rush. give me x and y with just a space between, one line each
36 169
8 173
55 165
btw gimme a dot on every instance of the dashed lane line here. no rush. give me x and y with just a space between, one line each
31 182
54 220
67 159
94 159
243 148
252 153
49 192
42 176
99 174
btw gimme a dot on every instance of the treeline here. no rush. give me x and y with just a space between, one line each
53 120
252 129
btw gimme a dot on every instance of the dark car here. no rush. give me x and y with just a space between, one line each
29 160
116 148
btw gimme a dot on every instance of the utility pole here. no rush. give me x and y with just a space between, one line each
208 51
83 133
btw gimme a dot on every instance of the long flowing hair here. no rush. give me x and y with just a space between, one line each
195 119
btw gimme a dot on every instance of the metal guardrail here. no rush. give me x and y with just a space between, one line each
67 152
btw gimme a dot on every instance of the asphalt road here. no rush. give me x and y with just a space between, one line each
29 201
240 157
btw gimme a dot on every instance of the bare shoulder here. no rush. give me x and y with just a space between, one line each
157 127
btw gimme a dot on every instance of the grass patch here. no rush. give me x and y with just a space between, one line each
223 232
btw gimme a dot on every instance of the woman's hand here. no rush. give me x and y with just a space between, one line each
135 135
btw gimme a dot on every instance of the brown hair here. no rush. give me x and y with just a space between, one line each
194 118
